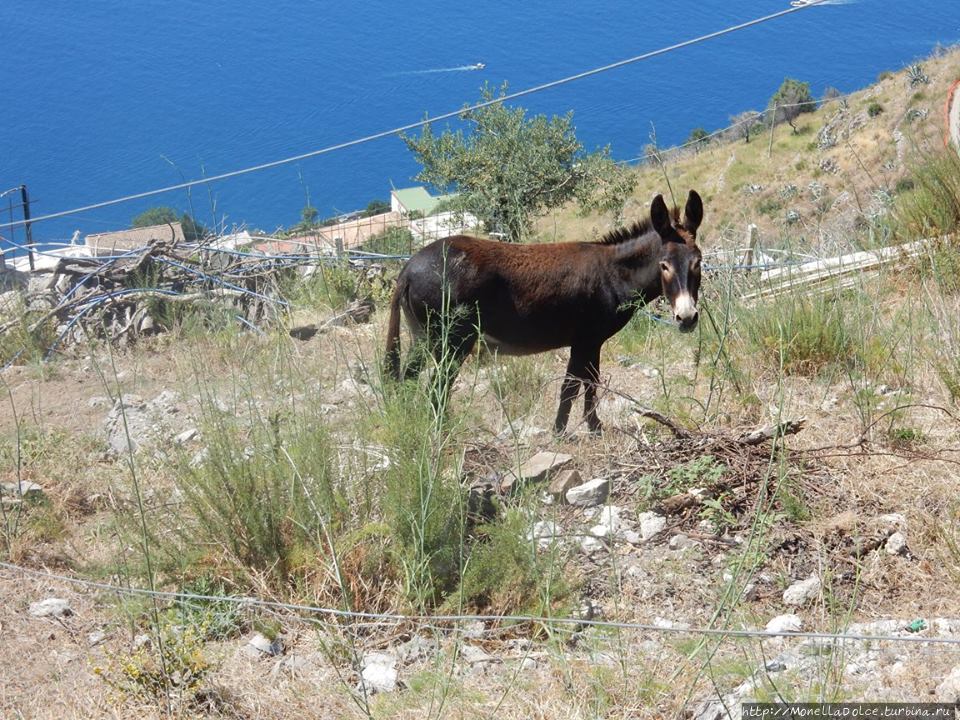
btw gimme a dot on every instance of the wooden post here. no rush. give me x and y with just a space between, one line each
773 124
338 243
25 199
753 239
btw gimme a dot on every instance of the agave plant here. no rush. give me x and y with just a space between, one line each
917 76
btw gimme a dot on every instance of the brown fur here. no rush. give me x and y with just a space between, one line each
526 299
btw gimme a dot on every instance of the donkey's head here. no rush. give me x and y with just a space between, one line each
679 257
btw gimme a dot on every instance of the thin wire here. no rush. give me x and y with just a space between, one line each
421 123
393 617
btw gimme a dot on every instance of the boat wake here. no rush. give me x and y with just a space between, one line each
458 68
801 3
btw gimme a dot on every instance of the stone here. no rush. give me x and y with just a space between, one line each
590 545
143 640
259 644
593 492
473 655
896 544
201 456
24 488
540 467
680 541
142 421
610 519
802 592
785 624
96 637
545 532
51 607
895 520
948 691
632 537
416 648
528 663
186 436
775 666
564 481
379 673
650 524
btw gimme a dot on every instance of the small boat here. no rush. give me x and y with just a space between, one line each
800 3
479 66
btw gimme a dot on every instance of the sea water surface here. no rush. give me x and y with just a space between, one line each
105 98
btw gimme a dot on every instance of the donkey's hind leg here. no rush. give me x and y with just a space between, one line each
592 379
448 355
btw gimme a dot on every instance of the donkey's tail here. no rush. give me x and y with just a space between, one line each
392 354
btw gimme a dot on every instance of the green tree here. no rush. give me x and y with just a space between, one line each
744 124
309 216
790 100
509 169
698 138
376 207
192 230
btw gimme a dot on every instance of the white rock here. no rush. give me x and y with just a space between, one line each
473 654
201 456
948 691
379 672
680 541
545 532
785 623
896 544
186 436
651 524
262 645
897 520
24 488
51 607
599 531
143 640
800 593
632 537
590 545
610 519
96 637
528 663
592 492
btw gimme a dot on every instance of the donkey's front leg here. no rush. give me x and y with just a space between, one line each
591 380
576 373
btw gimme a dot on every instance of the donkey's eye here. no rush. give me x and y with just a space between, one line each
695 264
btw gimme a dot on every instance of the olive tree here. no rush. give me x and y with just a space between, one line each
508 168
743 124
192 230
790 100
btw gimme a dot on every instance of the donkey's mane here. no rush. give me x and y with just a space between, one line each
631 232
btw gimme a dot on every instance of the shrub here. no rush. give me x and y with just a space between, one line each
170 674
263 497
805 334
874 109
508 574
933 207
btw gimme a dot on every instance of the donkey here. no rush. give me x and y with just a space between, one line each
524 299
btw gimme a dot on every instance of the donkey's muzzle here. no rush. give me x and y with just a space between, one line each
688 323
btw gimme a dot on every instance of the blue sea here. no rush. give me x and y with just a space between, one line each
105 98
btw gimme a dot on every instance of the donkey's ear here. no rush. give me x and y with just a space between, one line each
693 212
660 217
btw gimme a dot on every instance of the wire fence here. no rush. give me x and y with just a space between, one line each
909 636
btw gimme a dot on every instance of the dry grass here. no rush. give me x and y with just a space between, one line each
865 451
